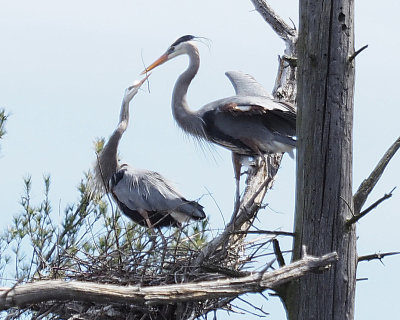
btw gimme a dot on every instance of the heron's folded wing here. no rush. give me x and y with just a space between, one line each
148 190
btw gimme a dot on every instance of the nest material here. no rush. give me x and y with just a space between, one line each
149 261
96 246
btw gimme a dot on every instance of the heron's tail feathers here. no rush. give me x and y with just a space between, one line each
193 209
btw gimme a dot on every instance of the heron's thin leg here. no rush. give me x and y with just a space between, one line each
237 165
145 215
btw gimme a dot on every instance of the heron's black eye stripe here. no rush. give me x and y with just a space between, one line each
183 39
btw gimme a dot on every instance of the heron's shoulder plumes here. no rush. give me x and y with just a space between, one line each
144 181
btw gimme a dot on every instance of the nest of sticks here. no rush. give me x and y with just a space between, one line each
153 262
125 254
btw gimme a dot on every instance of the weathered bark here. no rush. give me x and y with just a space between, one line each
324 163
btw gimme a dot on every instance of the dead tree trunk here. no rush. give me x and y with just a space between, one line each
324 163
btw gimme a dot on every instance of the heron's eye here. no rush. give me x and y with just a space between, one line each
171 49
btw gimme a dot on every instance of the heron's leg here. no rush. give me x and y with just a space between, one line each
145 216
237 165
259 157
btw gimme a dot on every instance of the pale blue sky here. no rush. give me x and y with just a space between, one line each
64 67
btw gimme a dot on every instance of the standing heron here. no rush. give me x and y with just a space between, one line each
251 123
144 196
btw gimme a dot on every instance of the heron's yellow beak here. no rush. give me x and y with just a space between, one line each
156 63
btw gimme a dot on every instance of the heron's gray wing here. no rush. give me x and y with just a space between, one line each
148 190
276 116
245 84
244 103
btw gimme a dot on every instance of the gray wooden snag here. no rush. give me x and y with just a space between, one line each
324 162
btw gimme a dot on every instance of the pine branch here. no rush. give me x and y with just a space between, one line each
3 119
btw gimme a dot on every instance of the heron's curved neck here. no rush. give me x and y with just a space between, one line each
108 159
187 119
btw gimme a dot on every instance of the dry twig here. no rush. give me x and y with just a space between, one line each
376 256
355 218
356 53
368 184
278 253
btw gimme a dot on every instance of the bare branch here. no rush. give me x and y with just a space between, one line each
57 290
255 307
258 182
274 233
368 184
377 256
370 208
225 271
278 253
356 53
5 291
283 30
291 60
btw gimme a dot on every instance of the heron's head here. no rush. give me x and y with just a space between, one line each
180 46
131 91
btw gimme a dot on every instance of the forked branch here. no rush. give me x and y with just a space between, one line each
357 217
277 23
258 182
368 184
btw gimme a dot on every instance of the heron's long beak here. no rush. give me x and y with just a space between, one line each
138 83
145 78
156 63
